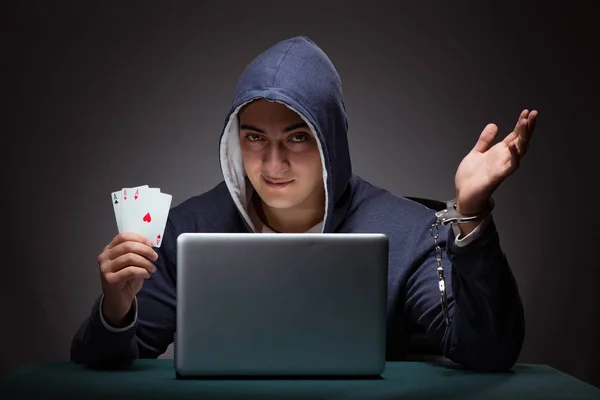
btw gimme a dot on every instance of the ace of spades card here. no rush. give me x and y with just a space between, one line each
117 198
145 211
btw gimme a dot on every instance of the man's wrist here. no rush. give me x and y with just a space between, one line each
118 320
484 211
481 211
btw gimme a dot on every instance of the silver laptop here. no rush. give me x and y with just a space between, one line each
275 304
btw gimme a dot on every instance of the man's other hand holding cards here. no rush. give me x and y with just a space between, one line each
141 214
124 264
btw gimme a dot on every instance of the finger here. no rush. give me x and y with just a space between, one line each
125 274
132 247
486 138
523 115
513 163
127 260
532 119
511 137
525 132
128 237
523 135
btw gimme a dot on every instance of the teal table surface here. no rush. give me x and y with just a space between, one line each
155 379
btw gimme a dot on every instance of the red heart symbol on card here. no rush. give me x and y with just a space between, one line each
147 218
135 197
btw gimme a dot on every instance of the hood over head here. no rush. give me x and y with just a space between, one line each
298 74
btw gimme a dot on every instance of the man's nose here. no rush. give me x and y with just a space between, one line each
275 159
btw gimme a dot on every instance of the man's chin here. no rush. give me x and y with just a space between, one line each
279 201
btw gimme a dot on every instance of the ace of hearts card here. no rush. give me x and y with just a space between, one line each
144 210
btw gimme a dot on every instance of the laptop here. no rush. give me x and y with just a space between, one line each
281 304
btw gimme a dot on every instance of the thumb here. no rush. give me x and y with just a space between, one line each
486 138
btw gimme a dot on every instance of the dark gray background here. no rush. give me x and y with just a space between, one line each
103 95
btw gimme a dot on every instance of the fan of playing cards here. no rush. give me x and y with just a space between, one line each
142 210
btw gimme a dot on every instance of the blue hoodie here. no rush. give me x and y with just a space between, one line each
487 319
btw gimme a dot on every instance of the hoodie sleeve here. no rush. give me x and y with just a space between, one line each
152 326
487 325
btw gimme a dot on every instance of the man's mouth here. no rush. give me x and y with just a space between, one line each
276 183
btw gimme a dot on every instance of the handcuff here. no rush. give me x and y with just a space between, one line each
450 215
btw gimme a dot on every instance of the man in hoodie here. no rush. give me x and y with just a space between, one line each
286 166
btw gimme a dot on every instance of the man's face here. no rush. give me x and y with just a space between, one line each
281 156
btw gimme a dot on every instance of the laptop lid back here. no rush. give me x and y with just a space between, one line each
281 304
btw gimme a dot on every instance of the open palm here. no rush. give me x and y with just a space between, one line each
485 168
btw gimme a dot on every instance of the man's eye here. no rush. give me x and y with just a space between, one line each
252 137
301 137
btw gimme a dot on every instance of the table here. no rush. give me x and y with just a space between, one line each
155 379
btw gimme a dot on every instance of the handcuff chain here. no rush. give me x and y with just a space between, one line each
437 252
450 215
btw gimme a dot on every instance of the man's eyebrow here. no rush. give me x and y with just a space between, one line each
287 129
245 127
295 126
